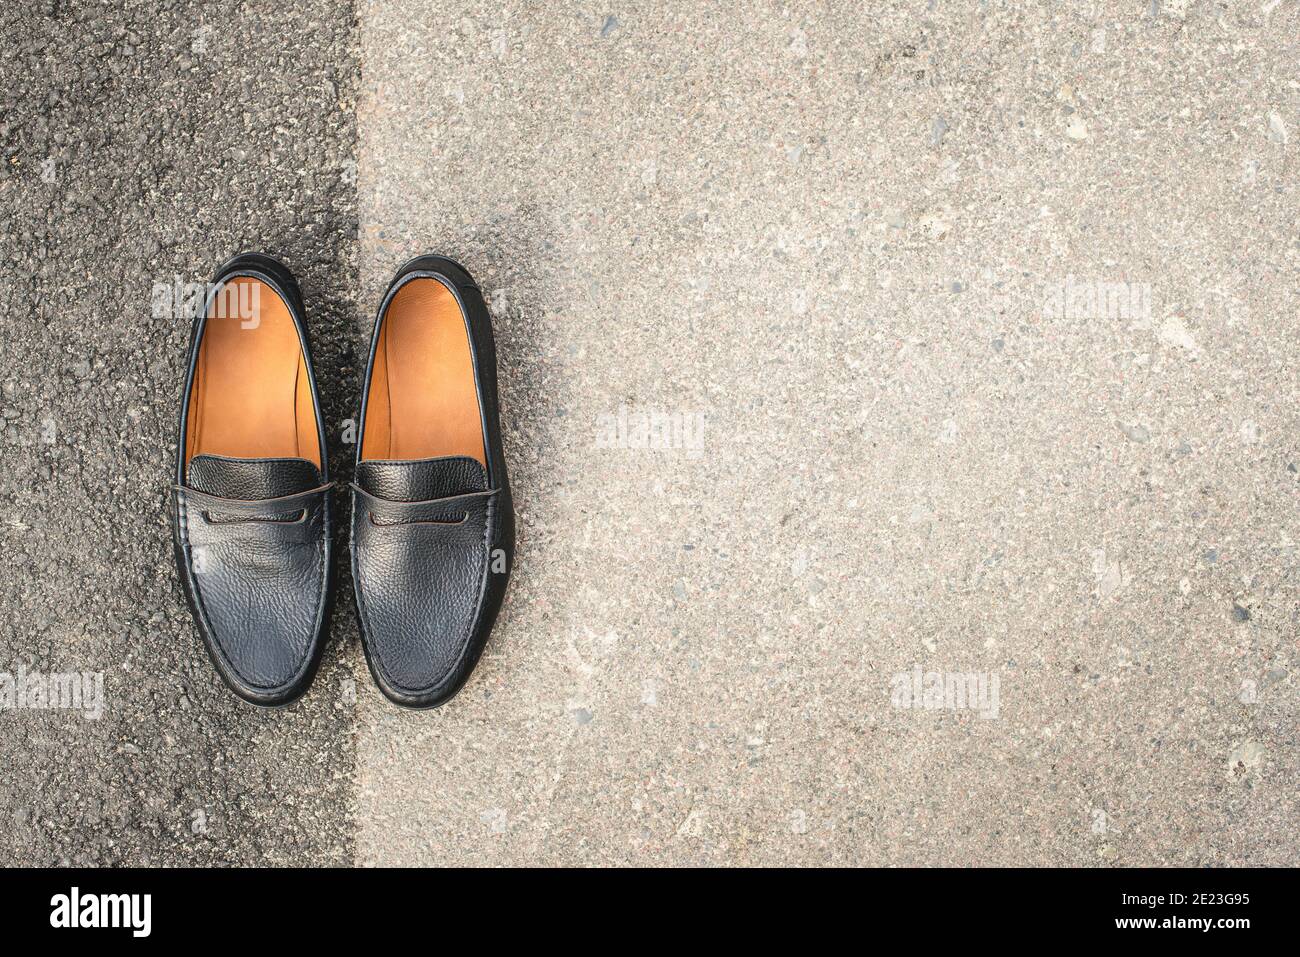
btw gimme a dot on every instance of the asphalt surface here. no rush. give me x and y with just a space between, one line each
966 335
180 133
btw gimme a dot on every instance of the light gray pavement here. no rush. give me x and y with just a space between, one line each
836 235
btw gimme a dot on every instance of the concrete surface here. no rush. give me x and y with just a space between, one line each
966 334
831 234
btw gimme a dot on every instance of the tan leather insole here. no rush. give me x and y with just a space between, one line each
251 396
423 403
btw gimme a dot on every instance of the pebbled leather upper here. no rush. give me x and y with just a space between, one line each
253 540
256 574
422 568
251 479
433 540
422 479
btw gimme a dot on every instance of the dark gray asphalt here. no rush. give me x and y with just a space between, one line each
144 142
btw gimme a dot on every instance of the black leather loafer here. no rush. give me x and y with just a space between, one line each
432 520
251 505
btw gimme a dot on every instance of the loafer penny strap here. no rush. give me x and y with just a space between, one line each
475 508
205 518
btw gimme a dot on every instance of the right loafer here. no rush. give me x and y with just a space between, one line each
433 526
251 502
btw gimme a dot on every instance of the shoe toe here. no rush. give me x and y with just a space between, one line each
261 653
426 591
259 591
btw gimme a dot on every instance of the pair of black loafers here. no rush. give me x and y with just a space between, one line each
432 537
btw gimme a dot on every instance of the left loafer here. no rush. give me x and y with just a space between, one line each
251 518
